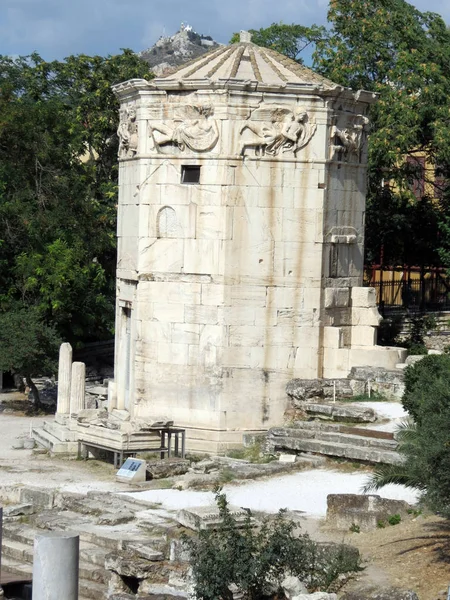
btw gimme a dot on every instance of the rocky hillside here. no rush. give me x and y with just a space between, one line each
169 52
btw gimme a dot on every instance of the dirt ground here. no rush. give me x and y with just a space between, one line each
414 554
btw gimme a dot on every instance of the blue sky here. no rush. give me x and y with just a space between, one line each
58 28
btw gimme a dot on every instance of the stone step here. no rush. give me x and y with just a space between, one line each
335 437
92 560
64 434
52 443
25 568
351 452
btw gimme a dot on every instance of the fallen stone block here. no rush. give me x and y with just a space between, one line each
147 552
19 510
208 517
161 469
37 497
366 511
115 518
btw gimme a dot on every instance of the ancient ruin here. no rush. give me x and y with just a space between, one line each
240 241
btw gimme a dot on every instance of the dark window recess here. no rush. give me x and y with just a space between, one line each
190 174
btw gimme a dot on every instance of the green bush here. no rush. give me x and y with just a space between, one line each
257 559
420 378
424 442
394 519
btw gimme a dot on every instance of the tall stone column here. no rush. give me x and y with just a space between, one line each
64 379
77 387
56 566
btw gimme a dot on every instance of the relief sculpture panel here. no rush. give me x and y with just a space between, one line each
347 141
275 130
127 133
192 128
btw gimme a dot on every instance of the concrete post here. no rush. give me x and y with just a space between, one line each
64 379
55 566
77 387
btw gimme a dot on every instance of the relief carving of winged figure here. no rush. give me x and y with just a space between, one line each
346 143
127 133
277 129
191 128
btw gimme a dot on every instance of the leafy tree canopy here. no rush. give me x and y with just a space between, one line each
58 188
393 49
290 40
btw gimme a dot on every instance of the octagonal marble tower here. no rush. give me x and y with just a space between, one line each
242 184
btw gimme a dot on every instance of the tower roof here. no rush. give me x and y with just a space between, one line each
243 65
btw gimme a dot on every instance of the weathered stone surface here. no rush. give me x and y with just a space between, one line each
131 567
147 552
208 517
160 469
380 594
344 510
316 596
64 379
292 586
18 510
341 412
388 383
318 389
115 518
37 497
412 359
220 284
331 441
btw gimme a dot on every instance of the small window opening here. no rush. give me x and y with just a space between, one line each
190 174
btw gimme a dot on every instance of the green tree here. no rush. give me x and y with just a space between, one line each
391 48
290 40
28 346
58 188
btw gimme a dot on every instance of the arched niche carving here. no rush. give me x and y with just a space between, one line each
166 223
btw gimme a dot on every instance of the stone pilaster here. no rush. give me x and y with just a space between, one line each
77 389
64 379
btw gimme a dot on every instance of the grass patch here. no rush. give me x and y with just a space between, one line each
253 454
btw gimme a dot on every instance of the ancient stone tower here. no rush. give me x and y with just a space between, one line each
240 241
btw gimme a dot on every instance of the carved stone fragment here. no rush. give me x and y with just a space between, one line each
277 130
128 133
347 142
192 128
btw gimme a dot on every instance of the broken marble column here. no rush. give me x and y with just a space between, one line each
56 566
64 379
77 388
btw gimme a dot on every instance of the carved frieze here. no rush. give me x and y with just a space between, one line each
128 133
347 142
191 128
275 130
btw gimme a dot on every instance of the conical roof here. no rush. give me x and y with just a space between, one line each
243 65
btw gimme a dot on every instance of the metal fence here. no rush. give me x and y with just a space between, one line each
414 289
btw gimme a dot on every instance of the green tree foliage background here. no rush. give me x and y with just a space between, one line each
58 190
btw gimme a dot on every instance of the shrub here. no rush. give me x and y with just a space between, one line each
394 519
424 443
257 559
420 378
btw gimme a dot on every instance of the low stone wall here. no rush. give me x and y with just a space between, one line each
362 380
366 512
